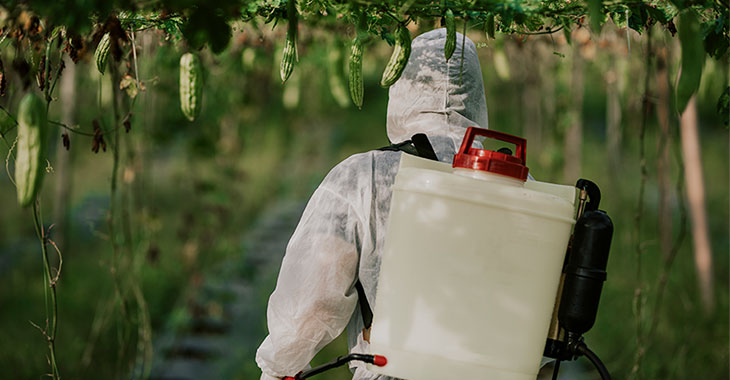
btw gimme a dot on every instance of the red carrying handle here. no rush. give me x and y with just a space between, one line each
471 132
489 161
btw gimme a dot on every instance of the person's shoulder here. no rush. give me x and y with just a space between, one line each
358 162
360 166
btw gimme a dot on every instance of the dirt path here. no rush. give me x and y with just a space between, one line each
216 335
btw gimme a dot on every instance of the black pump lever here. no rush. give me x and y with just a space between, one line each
584 272
594 193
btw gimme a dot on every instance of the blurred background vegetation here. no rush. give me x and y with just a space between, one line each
188 192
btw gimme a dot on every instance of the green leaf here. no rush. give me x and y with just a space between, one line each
693 58
681 4
619 19
595 11
387 36
716 39
723 107
658 14
6 122
567 31
506 20
208 25
534 22
520 17
637 17
489 25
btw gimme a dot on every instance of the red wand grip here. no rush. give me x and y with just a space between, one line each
380 360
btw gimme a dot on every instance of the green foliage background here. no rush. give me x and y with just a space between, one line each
195 188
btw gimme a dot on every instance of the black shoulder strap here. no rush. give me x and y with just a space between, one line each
367 312
423 146
396 147
419 146
405 146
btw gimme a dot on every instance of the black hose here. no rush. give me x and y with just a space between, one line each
556 369
584 350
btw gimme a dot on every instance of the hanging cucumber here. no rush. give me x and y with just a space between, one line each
450 44
32 145
399 58
355 77
191 85
290 46
101 54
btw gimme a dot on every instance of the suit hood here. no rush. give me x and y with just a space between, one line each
438 97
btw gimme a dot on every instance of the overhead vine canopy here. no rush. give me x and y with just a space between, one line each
209 22
82 24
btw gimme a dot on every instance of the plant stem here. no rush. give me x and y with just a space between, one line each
116 260
49 282
671 253
638 292
669 260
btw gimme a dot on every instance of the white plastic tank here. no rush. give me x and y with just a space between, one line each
471 266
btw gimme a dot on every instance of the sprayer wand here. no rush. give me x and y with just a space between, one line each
377 360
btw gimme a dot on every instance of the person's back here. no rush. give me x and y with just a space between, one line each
341 234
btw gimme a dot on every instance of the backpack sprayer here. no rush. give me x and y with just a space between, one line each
581 282
475 274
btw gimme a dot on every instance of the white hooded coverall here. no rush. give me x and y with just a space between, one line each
341 234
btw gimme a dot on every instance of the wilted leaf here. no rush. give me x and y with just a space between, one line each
98 140
66 140
3 81
129 85
127 123
672 28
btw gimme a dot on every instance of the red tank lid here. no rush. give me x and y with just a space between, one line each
490 161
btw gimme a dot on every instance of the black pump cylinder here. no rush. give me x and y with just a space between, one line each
585 272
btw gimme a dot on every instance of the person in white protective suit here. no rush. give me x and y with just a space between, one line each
340 237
